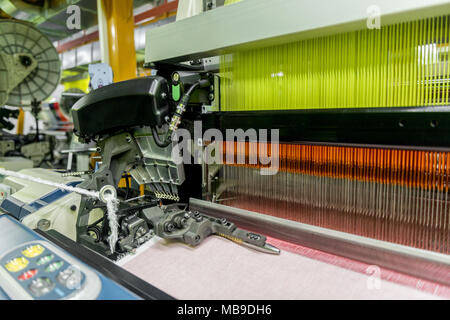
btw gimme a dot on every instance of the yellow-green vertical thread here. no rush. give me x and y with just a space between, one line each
446 74
395 66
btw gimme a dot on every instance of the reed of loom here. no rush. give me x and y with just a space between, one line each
389 194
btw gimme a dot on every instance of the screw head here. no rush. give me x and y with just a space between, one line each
43 224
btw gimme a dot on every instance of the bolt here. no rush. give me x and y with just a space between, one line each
73 207
170 227
43 224
211 97
140 232
253 236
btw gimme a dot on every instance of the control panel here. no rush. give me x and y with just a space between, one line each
34 268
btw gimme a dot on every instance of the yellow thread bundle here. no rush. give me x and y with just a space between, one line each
405 64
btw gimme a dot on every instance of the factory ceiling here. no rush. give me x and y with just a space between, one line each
51 15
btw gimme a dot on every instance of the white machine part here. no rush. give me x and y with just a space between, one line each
59 215
15 163
101 75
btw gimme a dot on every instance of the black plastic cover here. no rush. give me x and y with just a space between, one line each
131 103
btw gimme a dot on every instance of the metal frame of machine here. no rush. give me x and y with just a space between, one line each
272 22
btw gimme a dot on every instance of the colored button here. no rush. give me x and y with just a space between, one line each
54 266
28 274
41 286
45 259
70 278
17 264
33 251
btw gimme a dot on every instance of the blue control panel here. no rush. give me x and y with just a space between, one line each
32 268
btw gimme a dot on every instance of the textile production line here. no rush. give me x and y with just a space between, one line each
332 180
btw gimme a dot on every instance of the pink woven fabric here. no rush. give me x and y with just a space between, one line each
220 269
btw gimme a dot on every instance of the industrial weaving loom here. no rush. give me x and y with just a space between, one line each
329 129
362 113
384 192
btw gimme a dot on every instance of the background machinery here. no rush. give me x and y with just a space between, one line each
30 71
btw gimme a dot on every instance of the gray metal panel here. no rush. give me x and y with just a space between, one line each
255 23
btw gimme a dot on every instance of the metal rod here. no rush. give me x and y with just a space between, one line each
79 150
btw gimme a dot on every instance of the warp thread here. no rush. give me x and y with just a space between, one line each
111 202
